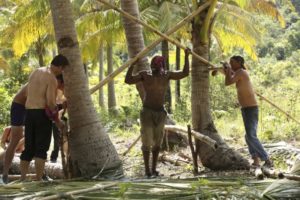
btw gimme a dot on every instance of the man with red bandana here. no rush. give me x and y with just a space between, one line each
153 114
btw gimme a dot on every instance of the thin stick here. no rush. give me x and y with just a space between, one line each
146 50
267 100
216 68
289 176
67 194
13 177
194 155
166 37
132 145
62 153
167 139
212 143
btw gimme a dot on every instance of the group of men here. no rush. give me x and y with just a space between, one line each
153 114
35 107
38 100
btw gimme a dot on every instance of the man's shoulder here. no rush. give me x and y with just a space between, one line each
242 72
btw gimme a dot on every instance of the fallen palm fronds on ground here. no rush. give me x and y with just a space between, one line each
288 188
197 188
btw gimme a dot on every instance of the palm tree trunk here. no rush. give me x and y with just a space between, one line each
224 157
111 85
165 54
40 52
90 147
177 86
101 75
134 38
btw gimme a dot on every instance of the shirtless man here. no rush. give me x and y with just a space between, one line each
153 114
40 112
17 117
246 96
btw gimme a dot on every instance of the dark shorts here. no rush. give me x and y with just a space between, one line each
17 114
38 128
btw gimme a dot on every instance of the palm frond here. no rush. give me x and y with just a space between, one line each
283 189
296 167
263 7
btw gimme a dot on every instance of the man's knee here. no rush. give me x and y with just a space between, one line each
41 155
26 156
156 148
146 148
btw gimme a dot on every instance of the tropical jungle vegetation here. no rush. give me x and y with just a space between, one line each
100 40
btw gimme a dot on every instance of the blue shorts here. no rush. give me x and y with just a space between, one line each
17 114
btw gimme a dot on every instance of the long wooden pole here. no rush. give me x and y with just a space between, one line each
132 145
194 155
145 51
166 37
278 108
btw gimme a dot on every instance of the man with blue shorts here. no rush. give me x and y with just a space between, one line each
17 118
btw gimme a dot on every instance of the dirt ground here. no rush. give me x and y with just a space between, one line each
178 164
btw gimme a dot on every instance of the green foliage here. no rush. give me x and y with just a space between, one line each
5 102
123 189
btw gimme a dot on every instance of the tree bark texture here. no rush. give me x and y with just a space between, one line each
135 39
101 75
224 157
91 149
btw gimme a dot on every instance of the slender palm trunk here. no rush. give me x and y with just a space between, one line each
101 76
40 52
224 157
111 85
177 86
134 38
165 54
90 147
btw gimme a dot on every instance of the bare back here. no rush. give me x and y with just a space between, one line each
21 95
41 90
245 92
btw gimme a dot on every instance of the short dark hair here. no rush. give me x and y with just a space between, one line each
60 60
239 59
60 78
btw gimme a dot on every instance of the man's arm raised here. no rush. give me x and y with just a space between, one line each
186 69
130 79
232 77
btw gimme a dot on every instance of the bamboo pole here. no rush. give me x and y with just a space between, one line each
132 145
289 176
278 108
166 37
146 50
194 155
68 194
14 177
212 143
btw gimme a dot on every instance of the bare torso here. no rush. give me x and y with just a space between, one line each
40 93
245 92
21 96
155 89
